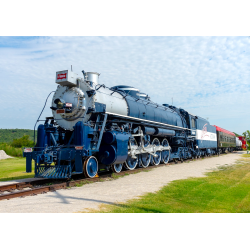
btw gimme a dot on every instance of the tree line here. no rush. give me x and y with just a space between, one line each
8 135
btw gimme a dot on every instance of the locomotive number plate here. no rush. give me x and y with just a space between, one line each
28 150
60 111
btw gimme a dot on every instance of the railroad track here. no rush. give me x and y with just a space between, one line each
35 187
42 186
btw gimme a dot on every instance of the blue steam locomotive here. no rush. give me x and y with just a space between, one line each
94 128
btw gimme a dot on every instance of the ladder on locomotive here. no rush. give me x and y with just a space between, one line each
100 124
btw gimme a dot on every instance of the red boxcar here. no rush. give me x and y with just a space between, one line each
244 142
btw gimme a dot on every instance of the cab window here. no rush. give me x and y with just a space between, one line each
193 123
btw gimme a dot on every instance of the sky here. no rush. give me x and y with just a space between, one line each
207 76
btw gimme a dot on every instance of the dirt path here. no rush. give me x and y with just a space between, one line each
119 190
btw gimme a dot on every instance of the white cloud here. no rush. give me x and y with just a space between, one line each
208 76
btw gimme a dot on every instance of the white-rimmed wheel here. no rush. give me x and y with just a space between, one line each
132 162
90 167
144 160
165 154
157 159
116 168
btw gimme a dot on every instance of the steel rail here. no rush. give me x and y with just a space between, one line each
22 185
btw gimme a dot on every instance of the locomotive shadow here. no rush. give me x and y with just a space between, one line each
64 201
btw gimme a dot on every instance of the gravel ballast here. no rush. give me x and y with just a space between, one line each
92 195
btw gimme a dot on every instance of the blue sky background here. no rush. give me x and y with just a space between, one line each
207 76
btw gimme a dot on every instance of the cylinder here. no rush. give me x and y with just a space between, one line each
164 132
107 154
148 130
109 137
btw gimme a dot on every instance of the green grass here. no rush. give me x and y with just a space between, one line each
115 176
14 168
80 184
223 191
9 150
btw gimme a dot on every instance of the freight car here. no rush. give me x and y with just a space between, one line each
238 144
95 128
244 142
226 140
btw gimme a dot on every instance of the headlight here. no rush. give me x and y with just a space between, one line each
60 103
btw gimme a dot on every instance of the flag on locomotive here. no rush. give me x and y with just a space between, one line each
94 128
